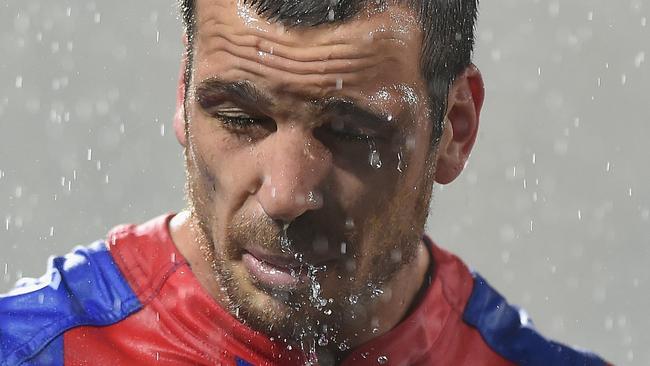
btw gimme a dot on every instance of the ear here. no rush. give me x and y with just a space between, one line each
464 105
179 116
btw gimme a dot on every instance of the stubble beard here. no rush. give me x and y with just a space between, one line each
299 317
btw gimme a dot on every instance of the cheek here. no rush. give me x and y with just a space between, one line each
225 169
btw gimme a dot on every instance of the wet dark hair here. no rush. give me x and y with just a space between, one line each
448 35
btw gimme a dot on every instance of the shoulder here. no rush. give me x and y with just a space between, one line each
84 287
505 329
509 331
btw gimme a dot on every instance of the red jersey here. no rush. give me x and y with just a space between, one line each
133 300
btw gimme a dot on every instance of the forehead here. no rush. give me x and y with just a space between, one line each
372 55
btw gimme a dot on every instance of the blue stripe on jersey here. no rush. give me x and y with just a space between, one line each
242 362
84 287
509 332
52 355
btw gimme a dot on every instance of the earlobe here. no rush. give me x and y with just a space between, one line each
461 124
179 116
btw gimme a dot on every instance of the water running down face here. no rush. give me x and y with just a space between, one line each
310 168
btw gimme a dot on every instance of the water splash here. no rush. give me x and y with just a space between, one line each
285 242
373 158
400 162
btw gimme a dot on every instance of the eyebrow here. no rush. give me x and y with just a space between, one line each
347 106
241 91
245 92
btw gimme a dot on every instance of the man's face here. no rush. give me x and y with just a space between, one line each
309 162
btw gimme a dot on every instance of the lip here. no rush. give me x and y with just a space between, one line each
273 271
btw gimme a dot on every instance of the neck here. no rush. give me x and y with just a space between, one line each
396 302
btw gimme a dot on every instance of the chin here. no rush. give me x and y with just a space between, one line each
289 314
271 313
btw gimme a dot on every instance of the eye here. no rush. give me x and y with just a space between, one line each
239 122
344 131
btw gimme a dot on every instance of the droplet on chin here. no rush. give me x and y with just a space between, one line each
349 223
344 346
352 299
374 323
322 341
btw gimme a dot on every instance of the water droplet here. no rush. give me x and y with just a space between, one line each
19 81
374 159
330 15
382 360
339 84
353 299
400 163
349 223
639 59
344 346
322 341
344 247
90 154
315 198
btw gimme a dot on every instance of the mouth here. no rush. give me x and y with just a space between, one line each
275 272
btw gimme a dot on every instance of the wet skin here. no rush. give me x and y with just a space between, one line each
320 136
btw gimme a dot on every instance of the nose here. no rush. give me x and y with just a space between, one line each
295 165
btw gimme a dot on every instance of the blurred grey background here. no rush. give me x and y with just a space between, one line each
553 208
